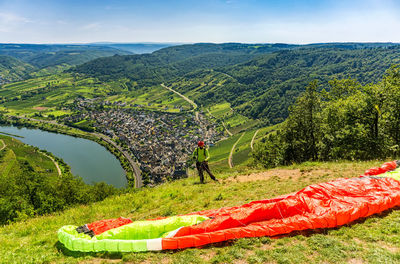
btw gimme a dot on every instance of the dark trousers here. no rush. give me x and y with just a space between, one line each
203 166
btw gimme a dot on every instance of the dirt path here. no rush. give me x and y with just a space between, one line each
283 174
298 174
4 144
55 162
223 124
196 114
181 95
254 137
230 162
227 131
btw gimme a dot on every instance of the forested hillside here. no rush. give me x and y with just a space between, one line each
259 81
350 121
12 69
41 55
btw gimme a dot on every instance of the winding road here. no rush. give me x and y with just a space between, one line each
254 137
230 162
55 163
181 95
4 144
196 114
227 131
223 124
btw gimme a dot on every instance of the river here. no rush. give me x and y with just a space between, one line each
87 159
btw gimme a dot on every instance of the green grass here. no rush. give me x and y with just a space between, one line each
16 150
220 110
372 240
222 149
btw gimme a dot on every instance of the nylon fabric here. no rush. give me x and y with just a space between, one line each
131 237
151 229
323 205
101 226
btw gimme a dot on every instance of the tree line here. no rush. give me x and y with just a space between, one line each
347 120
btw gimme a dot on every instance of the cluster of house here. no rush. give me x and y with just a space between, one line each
161 142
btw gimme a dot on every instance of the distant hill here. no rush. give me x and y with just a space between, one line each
12 69
43 55
258 80
270 83
137 48
172 62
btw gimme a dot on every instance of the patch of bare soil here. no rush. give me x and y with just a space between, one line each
388 247
283 174
100 261
355 261
40 108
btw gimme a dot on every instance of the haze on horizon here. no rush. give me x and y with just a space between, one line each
251 21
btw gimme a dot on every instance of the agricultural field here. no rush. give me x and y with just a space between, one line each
49 95
12 152
220 152
220 110
242 153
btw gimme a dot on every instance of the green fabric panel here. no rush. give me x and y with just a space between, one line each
80 242
395 174
151 229
124 238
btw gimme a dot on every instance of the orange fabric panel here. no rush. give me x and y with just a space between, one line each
322 205
387 166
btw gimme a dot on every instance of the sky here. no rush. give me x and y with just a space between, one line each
192 21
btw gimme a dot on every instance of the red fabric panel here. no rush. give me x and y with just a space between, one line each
101 226
322 205
169 243
388 166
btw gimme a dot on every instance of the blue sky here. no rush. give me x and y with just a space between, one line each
250 21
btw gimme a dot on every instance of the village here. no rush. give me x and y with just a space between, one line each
161 142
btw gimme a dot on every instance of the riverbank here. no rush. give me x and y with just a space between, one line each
128 164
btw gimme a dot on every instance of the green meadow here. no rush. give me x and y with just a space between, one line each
372 240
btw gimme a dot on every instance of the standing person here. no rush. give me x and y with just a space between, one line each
201 156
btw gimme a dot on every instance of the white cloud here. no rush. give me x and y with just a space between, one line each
10 21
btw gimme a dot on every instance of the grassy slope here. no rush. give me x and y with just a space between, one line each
16 150
374 240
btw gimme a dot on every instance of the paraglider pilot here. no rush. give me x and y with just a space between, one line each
201 156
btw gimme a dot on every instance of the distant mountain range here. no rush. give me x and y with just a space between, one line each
137 48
